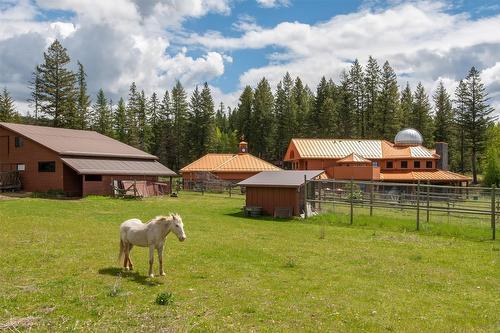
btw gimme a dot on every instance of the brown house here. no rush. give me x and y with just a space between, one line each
226 167
405 160
278 191
74 161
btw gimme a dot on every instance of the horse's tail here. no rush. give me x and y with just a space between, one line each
122 251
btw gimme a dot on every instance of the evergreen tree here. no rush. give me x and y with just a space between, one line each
57 84
83 102
477 119
406 106
164 151
243 116
221 121
372 87
7 109
421 118
346 108
206 131
35 87
155 127
261 138
387 108
120 118
285 116
323 118
179 105
144 131
492 161
304 101
460 115
194 122
103 122
443 120
132 116
356 78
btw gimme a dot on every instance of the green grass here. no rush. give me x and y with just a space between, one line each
239 274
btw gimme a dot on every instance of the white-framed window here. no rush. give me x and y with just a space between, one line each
20 167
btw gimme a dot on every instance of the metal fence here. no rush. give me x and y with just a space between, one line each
476 205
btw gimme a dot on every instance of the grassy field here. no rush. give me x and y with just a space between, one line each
59 272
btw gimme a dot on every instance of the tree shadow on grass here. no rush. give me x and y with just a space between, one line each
131 276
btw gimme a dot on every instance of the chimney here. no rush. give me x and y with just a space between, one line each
243 148
442 151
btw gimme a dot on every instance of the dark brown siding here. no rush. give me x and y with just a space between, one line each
30 154
72 182
271 197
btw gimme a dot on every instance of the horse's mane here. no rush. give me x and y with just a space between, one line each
169 217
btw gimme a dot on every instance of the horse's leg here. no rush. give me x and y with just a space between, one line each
151 259
160 259
130 265
125 250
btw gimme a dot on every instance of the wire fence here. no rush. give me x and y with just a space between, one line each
220 187
477 206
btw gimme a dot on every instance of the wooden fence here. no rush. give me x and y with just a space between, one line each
10 181
457 202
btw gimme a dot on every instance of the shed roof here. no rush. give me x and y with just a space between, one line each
77 142
103 166
229 163
284 178
424 175
368 149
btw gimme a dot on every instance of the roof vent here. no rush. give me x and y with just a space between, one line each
408 137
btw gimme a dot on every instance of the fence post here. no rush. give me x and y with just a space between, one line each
319 195
428 199
352 199
371 198
493 213
305 197
333 196
418 205
230 190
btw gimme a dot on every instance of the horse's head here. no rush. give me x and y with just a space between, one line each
177 227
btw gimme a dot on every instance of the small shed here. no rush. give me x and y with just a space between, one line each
278 193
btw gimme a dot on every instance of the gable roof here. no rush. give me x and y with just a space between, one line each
353 158
283 178
368 149
229 163
111 166
72 142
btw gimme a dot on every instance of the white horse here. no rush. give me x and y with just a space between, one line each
152 235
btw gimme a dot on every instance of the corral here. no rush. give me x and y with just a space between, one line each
243 274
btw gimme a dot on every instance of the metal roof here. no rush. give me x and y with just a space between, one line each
424 175
368 149
353 158
77 142
229 163
102 166
408 136
284 178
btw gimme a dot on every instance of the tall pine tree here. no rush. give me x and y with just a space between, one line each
421 118
83 102
180 148
372 88
387 108
262 136
406 106
356 78
7 109
120 121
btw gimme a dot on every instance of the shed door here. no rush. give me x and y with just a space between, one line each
4 149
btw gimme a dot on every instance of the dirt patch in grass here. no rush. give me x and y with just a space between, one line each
14 324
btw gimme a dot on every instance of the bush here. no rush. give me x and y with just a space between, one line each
164 299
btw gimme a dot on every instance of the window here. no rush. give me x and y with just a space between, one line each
375 164
428 164
404 164
389 164
47 166
20 167
416 164
18 141
93 178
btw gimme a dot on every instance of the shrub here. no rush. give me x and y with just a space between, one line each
164 299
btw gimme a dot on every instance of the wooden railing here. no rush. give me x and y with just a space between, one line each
10 181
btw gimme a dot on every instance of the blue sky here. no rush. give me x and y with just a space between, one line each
233 43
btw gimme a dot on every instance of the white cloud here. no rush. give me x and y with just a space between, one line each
273 3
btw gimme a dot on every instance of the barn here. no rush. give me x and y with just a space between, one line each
228 168
75 162
278 193
405 160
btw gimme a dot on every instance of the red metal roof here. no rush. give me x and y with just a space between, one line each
354 158
229 163
423 175
283 178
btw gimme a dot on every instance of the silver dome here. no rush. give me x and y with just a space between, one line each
408 137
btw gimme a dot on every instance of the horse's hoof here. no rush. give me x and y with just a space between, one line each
126 268
163 274
151 275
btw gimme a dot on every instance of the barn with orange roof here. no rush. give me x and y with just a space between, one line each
405 160
225 167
